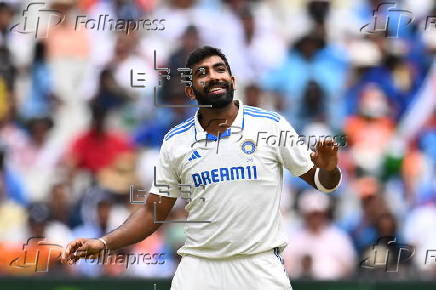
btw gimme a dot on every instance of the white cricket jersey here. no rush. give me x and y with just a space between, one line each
235 181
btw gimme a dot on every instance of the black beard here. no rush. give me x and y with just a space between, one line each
217 101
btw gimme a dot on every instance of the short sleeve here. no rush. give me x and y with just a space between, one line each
165 181
293 152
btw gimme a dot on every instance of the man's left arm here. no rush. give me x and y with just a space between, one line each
325 175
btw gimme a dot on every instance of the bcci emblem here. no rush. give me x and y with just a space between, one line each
248 147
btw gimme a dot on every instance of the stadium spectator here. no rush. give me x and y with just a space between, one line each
416 233
68 54
361 225
370 132
97 225
319 249
41 100
97 139
189 41
37 158
12 213
109 95
311 58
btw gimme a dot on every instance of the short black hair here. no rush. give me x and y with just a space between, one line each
204 52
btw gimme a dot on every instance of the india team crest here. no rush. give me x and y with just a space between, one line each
248 147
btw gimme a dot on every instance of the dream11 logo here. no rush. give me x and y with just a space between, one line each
37 19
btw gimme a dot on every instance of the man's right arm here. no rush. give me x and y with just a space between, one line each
136 228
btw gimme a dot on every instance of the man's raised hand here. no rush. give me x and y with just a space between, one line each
325 155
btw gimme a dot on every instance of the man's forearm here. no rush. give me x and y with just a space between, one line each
136 228
329 179
141 223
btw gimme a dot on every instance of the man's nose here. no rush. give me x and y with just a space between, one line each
215 76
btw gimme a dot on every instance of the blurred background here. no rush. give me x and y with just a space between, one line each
77 139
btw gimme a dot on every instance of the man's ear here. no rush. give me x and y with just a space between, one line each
233 82
189 92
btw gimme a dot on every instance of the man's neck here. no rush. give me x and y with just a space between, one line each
218 120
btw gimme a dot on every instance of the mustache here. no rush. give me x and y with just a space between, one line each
208 86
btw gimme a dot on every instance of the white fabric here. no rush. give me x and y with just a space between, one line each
256 272
244 210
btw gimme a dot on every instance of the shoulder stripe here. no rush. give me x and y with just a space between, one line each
181 125
261 116
186 121
261 111
275 116
182 130
255 109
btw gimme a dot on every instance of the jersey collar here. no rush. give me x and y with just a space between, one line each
201 134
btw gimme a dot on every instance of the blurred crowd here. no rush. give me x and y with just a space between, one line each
78 141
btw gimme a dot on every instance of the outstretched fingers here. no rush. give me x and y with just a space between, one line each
326 146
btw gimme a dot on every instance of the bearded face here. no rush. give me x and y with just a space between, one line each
212 83
215 93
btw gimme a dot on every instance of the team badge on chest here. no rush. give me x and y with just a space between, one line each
248 147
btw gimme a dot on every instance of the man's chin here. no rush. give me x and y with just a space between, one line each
221 103
217 101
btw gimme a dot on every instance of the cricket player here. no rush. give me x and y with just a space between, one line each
220 161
